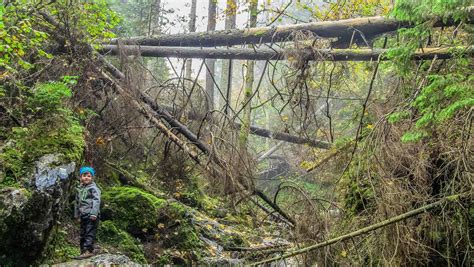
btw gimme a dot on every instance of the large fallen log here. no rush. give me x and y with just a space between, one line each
255 130
279 54
358 30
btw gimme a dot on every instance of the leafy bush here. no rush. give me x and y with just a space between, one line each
52 128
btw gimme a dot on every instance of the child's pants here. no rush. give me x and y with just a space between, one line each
88 232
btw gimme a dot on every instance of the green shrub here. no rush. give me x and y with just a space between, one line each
52 128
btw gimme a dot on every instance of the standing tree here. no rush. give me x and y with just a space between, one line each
226 73
154 18
211 26
249 78
192 28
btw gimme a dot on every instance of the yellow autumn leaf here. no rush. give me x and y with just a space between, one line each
100 141
344 253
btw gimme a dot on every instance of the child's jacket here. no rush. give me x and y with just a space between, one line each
87 201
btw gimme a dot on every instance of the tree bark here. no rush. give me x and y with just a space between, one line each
248 89
226 71
280 54
192 28
211 26
154 22
343 30
286 137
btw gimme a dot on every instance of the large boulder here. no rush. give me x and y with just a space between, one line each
132 209
172 233
27 215
101 260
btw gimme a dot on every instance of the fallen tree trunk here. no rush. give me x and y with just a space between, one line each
286 137
255 130
152 111
147 113
279 54
364 230
345 30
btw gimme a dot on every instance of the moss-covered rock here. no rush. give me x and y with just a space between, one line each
27 216
178 230
168 224
132 209
109 235
59 248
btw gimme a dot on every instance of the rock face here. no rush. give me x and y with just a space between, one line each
101 260
47 177
27 215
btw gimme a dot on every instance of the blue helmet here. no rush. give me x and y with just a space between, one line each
85 169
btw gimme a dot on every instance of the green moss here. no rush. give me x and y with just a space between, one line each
109 178
178 230
59 249
184 237
181 233
110 235
52 129
255 31
192 195
164 259
175 210
59 134
232 240
132 209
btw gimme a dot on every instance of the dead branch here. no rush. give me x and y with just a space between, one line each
365 230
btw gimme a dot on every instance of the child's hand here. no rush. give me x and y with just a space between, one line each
78 220
93 218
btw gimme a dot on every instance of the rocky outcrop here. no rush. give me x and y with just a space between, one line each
101 260
27 215
183 234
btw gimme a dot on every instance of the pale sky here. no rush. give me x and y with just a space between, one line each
183 8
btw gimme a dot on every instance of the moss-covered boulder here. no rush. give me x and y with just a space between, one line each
171 231
60 247
177 229
27 215
132 209
115 239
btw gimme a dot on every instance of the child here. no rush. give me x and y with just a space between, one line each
86 210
